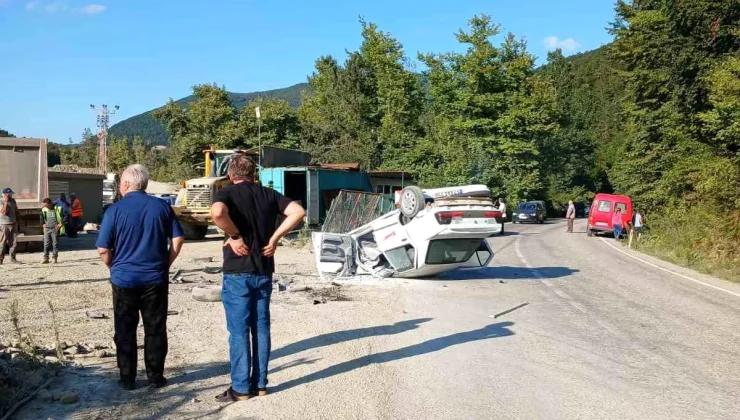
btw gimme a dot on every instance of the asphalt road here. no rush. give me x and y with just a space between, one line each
603 335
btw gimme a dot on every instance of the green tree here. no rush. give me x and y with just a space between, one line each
209 120
83 154
489 103
339 118
680 157
399 96
279 126
4 133
119 154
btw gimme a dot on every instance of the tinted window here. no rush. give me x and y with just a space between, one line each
605 206
526 207
451 251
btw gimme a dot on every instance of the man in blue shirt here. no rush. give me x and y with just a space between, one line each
139 240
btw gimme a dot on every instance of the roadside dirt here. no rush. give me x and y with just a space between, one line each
197 362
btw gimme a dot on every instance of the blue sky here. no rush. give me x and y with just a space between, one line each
60 56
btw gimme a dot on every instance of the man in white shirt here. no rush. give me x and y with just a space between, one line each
570 215
636 227
502 209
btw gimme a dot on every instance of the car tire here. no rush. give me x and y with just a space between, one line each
589 232
412 201
207 293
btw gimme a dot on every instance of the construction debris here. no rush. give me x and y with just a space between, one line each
96 315
74 169
510 310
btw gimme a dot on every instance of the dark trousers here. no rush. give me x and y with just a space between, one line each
74 227
151 301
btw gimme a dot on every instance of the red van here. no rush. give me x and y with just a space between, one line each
602 210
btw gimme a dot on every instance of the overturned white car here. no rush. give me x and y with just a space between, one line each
433 231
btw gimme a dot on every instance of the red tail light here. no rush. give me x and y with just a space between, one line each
445 217
491 214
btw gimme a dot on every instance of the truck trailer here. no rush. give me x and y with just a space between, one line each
23 168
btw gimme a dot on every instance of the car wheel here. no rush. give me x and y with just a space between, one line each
412 201
207 293
589 232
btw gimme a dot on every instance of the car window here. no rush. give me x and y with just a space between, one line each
402 258
605 206
621 206
526 207
451 251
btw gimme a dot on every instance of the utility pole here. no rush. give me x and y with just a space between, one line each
259 135
103 119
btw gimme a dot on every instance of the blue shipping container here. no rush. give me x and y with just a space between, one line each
314 187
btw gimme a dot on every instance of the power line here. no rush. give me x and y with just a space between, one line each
103 119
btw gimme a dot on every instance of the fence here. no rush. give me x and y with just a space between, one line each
352 209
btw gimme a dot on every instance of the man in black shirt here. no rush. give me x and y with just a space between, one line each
248 213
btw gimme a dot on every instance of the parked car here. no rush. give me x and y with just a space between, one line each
420 239
544 207
531 211
603 208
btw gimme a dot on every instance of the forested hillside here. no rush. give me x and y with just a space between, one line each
145 126
655 115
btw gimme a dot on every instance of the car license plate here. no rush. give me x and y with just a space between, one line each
522 216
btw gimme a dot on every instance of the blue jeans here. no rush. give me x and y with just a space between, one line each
617 231
246 298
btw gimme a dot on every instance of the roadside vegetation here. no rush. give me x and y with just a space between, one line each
654 115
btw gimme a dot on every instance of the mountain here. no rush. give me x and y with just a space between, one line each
153 132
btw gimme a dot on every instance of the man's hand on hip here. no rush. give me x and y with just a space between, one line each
237 246
269 250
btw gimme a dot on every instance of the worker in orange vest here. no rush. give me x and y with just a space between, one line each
76 216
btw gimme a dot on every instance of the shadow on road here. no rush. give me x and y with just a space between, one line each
509 273
332 338
490 331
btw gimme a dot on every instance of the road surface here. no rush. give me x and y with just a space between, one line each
603 336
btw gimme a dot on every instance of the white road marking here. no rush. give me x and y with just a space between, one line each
547 282
671 271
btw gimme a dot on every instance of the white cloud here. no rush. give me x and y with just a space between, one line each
56 6
567 45
93 9
59 6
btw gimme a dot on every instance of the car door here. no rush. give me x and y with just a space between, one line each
334 253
